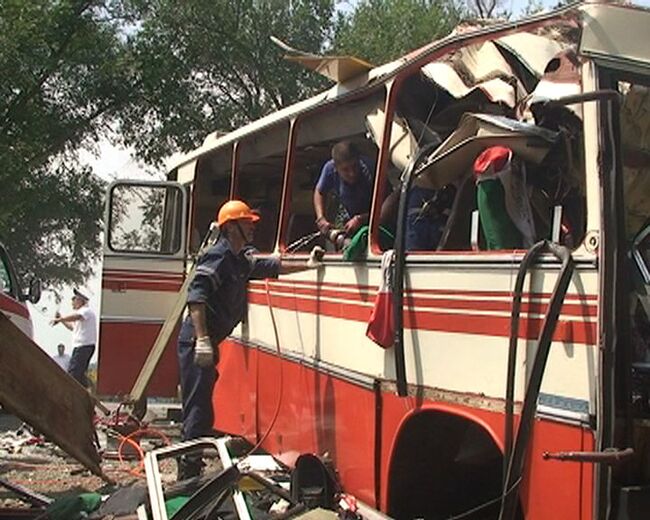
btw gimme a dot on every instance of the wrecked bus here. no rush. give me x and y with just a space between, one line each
517 383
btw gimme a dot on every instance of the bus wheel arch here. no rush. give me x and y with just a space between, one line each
443 462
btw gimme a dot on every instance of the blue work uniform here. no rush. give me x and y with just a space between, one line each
355 198
220 283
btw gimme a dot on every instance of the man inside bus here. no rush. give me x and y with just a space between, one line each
350 176
216 301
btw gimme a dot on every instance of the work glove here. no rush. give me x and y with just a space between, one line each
316 257
323 225
203 352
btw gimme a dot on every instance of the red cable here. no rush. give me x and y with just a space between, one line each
281 384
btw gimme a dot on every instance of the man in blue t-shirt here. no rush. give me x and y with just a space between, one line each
350 177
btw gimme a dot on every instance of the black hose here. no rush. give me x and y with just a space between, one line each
516 457
400 257
529 258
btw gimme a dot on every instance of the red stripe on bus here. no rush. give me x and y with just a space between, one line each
154 275
466 323
535 307
8 304
446 292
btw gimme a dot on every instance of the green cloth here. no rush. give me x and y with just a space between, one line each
74 507
356 249
173 505
498 229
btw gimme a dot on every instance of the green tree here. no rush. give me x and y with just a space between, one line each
207 65
65 73
383 30
157 75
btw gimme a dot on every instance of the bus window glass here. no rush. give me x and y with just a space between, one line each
498 172
211 189
260 172
145 219
339 132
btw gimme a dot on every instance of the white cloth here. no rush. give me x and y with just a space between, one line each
84 331
63 361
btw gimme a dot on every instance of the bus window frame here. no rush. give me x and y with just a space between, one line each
194 193
235 172
288 174
109 250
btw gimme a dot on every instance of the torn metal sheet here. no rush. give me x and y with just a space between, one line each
477 67
337 68
455 156
562 78
532 50
35 389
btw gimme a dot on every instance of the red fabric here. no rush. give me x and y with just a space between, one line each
381 326
496 156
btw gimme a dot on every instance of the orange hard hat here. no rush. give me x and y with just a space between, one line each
235 210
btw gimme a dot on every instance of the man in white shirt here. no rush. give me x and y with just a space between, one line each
62 359
83 324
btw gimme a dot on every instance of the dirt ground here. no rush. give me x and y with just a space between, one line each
42 467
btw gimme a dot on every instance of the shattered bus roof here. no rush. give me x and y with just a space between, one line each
472 61
454 157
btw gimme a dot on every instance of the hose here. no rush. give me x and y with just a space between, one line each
278 405
302 242
400 260
515 454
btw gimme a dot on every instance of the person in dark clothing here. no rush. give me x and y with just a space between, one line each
216 301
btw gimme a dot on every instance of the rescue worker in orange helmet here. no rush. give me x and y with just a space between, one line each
216 300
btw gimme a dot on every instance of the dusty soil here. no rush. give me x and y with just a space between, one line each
42 467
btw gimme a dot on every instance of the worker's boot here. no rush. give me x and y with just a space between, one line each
189 466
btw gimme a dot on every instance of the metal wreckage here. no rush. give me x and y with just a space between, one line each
518 86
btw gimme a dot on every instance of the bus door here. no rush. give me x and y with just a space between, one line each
143 270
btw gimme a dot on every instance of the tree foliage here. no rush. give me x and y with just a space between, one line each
158 76
209 65
383 30
66 73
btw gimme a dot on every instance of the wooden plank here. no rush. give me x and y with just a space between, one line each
158 348
156 352
35 389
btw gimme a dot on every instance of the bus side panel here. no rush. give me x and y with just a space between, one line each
125 347
318 413
572 496
558 486
17 312
234 398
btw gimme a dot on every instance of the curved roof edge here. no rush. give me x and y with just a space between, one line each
377 75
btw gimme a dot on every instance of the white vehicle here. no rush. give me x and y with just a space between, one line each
470 407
